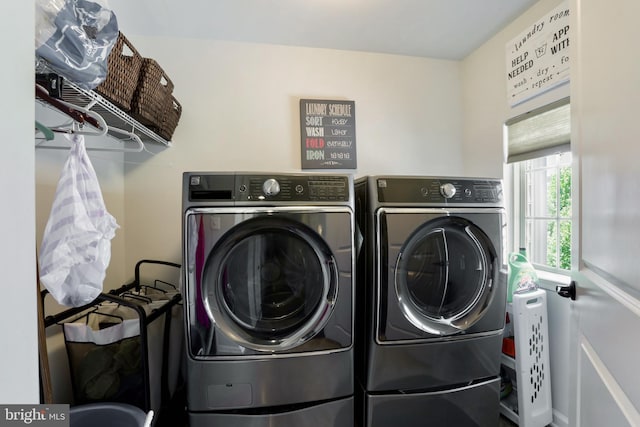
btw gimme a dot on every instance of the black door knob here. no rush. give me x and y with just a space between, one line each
567 291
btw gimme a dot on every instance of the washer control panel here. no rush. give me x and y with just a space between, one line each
442 191
285 188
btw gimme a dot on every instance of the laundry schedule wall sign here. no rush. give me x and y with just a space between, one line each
328 134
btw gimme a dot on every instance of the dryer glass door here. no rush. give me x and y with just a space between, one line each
270 283
443 275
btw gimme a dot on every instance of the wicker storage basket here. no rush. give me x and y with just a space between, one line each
152 95
123 70
170 118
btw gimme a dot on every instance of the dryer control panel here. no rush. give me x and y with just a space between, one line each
283 188
439 191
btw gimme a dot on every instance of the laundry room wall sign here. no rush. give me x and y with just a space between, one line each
538 59
328 134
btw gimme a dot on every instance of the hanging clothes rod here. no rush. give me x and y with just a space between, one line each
81 117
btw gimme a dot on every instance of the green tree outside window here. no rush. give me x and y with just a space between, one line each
559 203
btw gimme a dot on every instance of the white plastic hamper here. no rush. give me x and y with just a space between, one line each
532 358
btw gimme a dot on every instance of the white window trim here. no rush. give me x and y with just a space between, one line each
548 277
518 230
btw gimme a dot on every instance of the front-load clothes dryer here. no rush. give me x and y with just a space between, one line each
269 283
431 298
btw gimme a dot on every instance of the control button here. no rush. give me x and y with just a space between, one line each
271 187
424 191
448 190
243 188
299 189
467 192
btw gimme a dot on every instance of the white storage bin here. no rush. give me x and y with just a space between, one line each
531 334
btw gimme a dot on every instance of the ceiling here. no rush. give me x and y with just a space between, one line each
444 29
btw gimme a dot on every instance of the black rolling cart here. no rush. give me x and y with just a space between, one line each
125 345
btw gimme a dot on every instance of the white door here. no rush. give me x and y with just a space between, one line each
605 104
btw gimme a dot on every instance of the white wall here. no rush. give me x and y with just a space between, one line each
485 111
19 356
240 112
485 97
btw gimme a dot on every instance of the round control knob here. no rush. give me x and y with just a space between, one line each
448 190
271 187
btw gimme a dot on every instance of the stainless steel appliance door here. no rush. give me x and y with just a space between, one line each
269 281
436 273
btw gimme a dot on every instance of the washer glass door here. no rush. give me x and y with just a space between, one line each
270 283
444 275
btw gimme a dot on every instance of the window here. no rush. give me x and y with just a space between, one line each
539 149
545 210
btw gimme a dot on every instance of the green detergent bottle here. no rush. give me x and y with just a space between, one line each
522 275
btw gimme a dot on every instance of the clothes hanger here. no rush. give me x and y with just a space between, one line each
132 138
71 126
94 119
81 116
78 114
46 132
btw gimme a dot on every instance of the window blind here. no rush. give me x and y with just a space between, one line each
540 132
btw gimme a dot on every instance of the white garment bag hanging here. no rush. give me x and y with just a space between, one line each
76 245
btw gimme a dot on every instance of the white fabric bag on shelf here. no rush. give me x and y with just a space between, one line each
76 245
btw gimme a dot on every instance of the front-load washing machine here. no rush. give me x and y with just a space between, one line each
269 284
431 296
